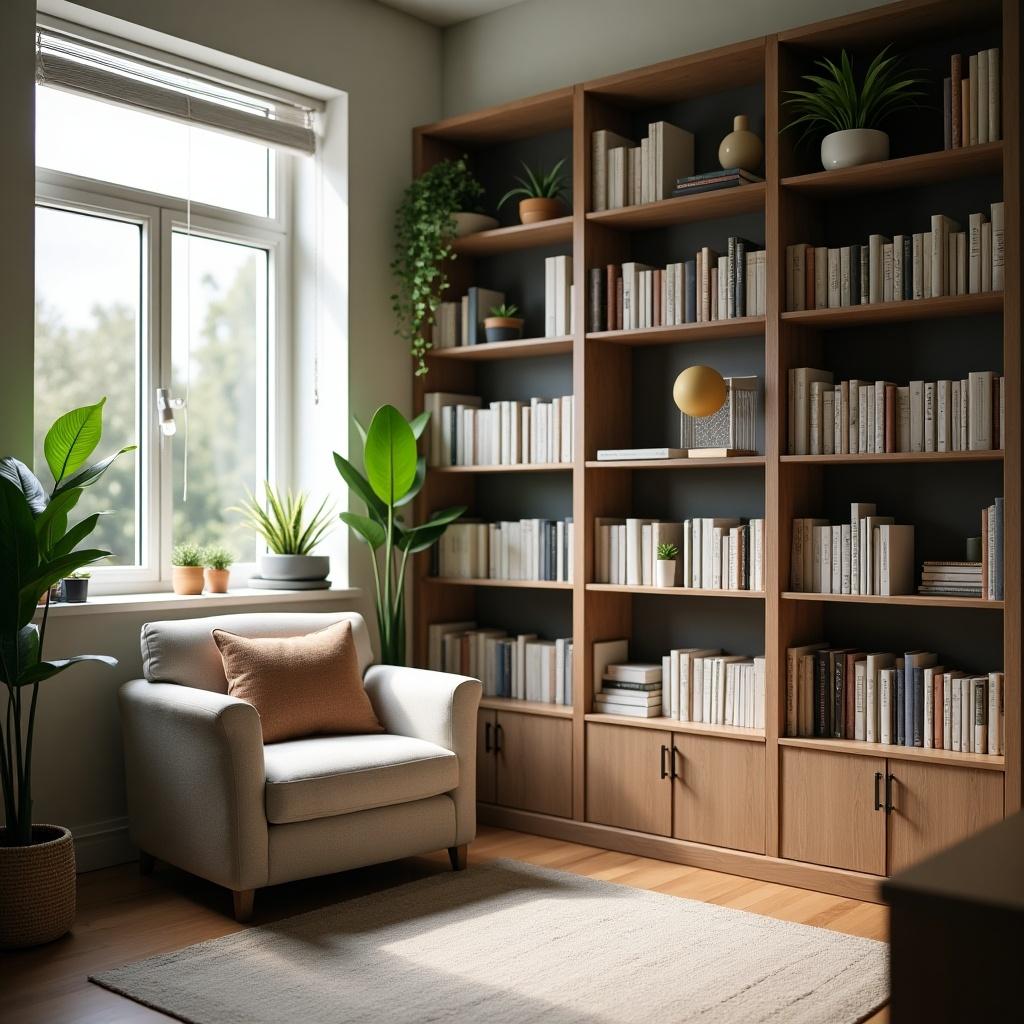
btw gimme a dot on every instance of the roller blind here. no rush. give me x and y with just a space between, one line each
107 74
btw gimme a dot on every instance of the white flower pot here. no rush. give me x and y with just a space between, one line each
853 147
665 572
471 223
294 567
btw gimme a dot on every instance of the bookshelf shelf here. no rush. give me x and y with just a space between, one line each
897 312
684 209
738 462
528 467
904 172
525 348
729 732
897 458
452 581
909 600
621 588
526 707
514 238
715 330
991 762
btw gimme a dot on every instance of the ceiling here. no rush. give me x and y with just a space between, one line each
448 12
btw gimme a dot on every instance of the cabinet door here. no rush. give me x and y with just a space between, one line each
827 813
534 755
719 792
486 765
936 805
625 787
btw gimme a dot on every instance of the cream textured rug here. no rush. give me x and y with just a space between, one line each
508 943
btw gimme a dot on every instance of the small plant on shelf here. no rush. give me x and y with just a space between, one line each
666 565
541 194
217 562
504 323
187 568
75 587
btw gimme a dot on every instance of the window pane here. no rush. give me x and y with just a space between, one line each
220 289
108 142
87 345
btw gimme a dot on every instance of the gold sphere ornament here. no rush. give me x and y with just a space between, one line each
699 391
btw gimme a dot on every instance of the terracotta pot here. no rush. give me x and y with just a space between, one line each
741 147
531 211
187 579
503 328
217 580
853 147
37 888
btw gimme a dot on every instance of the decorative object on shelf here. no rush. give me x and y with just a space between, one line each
665 567
217 562
718 416
75 587
503 324
699 391
542 192
187 569
37 862
425 224
395 473
473 223
292 535
851 113
741 148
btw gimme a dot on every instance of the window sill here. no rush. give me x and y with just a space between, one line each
241 597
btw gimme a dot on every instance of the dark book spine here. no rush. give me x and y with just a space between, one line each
611 296
909 712
899 738
730 252
839 700
473 316
552 551
690 287
618 303
741 277
918 707
908 266
947 113
997 568
821 695
850 697
956 89
506 661
595 319
854 275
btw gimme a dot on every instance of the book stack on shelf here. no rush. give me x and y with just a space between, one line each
714 688
713 181
522 667
632 688
718 554
626 174
507 433
909 700
462 323
860 417
972 103
558 296
951 579
925 265
530 549
706 288
869 555
981 578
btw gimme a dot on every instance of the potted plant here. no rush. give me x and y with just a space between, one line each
542 194
851 114
290 532
665 566
217 562
435 208
503 324
187 569
394 476
38 547
75 588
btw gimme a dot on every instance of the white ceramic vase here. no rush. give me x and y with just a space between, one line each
665 569
853 147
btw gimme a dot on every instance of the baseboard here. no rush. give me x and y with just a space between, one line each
102 844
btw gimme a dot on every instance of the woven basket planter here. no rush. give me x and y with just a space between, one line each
37 888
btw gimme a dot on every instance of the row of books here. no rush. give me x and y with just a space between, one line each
558 296
461 322
909 700
943 261
856 416
871 554
521 667
624 173
506 433
527 549
713 181
713 554
971 104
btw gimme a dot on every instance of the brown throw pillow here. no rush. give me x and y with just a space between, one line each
300 685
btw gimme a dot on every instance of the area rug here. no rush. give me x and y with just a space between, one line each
510 943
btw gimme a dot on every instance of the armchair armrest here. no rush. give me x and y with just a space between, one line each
195 775
437 707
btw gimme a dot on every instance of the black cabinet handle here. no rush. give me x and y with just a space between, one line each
487 738
889 780
498 734
878 794
664 761
674 753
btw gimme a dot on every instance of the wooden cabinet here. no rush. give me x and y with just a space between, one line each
827 812
486 764
534 763
628 784
934 806
719 792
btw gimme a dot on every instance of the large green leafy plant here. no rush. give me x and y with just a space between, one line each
395 473
424 229
538 185
38 548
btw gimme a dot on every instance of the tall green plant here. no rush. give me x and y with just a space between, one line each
424 229
37 548
395 473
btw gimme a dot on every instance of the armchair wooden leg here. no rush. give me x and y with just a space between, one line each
243 904
147 862
459 856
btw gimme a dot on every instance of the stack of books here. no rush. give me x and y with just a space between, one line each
632 689
558 296
714 688
943 261
462 323
909 700
952 579
626 174
971 104
529 549
711 181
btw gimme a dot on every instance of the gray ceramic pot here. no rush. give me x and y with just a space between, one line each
294 567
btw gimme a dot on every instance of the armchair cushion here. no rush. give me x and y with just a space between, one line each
324 776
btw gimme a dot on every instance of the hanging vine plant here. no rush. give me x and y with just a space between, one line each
424 229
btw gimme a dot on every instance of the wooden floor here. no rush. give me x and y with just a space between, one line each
124 917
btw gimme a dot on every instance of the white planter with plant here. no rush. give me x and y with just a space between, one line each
187 569
850 115
665 565
217 562
541 194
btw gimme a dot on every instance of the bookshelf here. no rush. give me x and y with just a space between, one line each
757 803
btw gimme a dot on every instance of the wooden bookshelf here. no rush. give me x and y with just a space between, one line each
621 381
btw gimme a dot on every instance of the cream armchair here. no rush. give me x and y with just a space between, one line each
207 795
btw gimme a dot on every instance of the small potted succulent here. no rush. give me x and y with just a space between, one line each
504 323
217 562
75 588
187 569
542 194
666 565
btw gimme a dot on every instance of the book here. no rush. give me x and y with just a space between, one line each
639 454
602 141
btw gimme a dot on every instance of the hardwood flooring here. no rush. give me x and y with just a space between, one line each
123 916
